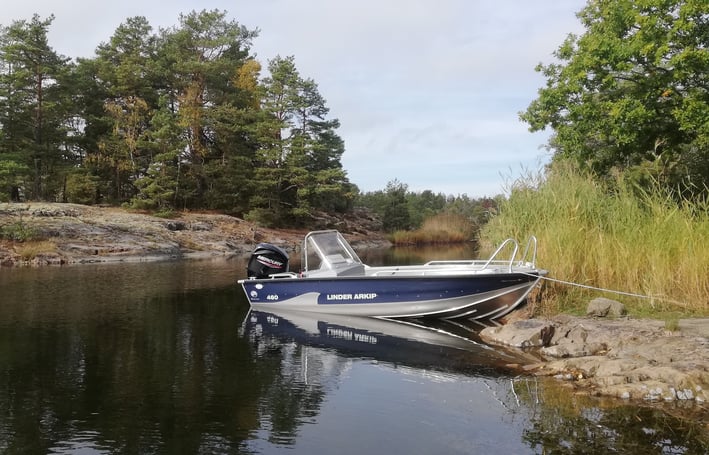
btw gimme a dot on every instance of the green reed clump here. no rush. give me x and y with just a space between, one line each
610 235
440 228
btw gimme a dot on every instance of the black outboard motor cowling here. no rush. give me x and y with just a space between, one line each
267 260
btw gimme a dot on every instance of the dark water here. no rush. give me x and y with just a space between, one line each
166 358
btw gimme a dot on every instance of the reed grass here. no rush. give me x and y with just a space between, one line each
440 228
612 236
32 248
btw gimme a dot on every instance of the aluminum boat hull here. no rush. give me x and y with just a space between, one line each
456 296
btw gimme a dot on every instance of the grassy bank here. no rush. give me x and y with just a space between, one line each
440 228
610 236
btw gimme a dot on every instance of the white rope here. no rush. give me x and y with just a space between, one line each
594 288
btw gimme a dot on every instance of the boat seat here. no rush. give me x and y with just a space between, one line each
354 269
335 259
342 269
342 266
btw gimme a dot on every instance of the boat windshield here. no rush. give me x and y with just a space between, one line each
327 250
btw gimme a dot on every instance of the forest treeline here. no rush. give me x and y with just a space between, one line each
171 119
179 118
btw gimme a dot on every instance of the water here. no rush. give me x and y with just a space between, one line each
167 358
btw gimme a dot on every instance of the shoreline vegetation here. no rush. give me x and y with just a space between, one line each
609 234
598 234
443 228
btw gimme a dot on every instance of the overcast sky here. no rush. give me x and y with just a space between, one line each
427 91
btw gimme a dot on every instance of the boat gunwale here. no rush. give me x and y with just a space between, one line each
533 274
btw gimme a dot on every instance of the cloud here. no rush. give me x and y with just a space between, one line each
427 91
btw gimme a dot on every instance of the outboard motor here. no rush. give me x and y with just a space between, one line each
267 260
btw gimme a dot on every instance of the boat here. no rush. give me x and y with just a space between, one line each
334 280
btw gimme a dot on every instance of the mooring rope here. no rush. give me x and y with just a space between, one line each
612 291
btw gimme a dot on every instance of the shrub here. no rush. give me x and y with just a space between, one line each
81 188
18 232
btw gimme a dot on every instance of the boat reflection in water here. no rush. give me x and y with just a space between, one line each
430 344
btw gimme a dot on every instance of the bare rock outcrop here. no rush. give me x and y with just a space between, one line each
625 358
524 333
73 233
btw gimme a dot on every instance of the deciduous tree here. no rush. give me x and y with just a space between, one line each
632 92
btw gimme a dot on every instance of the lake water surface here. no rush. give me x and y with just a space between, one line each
167 358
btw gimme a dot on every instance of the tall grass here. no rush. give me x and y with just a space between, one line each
611 236
440 228
33 248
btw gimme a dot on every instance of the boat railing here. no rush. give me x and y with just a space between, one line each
455 262
499 249
335 253
531 248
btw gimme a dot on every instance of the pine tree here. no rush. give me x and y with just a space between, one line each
35 110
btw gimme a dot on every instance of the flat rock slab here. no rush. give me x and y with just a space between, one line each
75 233
524 333
696 327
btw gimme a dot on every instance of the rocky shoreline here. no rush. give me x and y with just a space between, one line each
605 353
616 356
74 234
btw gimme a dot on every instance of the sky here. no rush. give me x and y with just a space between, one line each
428 92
